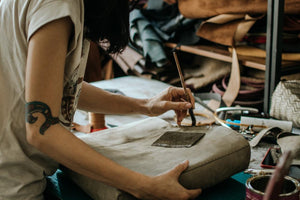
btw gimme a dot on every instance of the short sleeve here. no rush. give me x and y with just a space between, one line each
43 12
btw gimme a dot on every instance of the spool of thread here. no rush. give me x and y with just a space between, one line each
97 120
256 186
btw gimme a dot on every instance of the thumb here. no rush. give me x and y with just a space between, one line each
177 170
194 193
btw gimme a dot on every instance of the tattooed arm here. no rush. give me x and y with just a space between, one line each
47 50
41 108
44 87
96 100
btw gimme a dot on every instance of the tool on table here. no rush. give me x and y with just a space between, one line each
257 172
191 112
222 122
198 100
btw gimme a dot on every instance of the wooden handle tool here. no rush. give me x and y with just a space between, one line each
191 112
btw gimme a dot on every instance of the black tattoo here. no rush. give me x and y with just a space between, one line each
40 107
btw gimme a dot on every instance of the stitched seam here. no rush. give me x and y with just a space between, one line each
210 161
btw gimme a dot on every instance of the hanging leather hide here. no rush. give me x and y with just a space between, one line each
209 8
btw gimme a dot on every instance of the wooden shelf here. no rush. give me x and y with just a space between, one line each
272 65
221 53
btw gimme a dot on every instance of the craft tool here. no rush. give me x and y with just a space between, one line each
191 112
220 121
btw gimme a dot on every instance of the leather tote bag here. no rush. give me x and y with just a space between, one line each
219 154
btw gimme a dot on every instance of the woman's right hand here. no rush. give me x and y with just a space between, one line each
167 187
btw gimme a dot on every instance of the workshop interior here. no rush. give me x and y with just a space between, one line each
243 71
240 60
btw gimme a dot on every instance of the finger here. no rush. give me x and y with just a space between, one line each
180 115
178 119
177 170
194 193
179 123
182 99
172 105
177 92
191 97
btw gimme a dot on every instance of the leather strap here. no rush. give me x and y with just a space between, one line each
261 134
246 91
234 81
248 96
228 29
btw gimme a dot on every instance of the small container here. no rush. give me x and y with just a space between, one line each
256 186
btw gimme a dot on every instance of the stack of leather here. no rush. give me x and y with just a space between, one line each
250 94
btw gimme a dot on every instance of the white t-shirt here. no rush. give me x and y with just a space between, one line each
22 167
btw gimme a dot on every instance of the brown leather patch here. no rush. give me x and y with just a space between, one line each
177 139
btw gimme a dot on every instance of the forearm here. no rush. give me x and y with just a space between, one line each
94 99
82 159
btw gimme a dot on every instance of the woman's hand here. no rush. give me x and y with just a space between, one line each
172 98
167 187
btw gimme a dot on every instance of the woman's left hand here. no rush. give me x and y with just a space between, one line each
173 98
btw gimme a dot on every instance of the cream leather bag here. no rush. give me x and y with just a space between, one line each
221 153
285 103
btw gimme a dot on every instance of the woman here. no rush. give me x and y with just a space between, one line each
43 55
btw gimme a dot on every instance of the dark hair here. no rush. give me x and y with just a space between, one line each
107 21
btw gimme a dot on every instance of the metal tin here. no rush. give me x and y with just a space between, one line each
256 185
